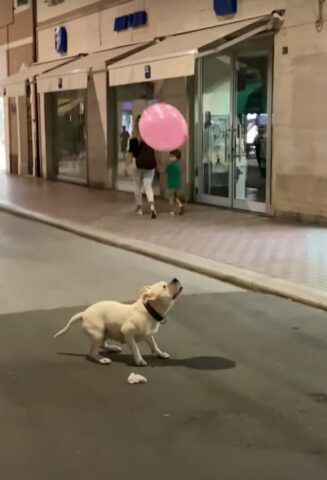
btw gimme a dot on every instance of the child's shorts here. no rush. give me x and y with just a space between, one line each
172 195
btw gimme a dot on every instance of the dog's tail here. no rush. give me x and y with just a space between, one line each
75 318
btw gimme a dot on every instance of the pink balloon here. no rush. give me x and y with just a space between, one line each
163 127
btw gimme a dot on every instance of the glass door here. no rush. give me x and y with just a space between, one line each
234 135
66 135
215 169
251 131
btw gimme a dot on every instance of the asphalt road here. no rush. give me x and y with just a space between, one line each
244 395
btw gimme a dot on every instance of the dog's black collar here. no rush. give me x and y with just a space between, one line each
154 314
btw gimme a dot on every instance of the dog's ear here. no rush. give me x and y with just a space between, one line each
146 294
144 291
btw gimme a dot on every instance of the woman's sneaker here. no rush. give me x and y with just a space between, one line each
153 213
139 211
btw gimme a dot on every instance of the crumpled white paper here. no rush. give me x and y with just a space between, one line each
134 379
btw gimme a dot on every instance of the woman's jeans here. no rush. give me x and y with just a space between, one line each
143 178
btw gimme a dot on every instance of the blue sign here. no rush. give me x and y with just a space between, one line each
61 44
225 7
133 20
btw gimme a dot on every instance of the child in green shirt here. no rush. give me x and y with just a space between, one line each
174 181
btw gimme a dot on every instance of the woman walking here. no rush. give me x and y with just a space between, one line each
144 164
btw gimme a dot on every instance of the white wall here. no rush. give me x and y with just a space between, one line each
65 7
3 64
95 31
300 122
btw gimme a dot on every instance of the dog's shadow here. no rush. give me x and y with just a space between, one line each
195 363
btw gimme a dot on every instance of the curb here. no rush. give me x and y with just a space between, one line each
228 273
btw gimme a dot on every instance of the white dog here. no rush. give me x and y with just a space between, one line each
129 324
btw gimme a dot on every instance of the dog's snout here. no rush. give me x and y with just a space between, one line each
175 280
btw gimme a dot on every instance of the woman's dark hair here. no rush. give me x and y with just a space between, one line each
136 131
176 153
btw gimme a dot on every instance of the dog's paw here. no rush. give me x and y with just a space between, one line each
141 362
164 355
112 348
104 361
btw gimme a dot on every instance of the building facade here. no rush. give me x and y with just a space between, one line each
248 75
17 49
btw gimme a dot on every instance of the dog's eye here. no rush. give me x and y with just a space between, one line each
165 286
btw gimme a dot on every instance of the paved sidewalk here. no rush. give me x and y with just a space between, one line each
238 246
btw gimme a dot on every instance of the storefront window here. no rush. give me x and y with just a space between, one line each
69 136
